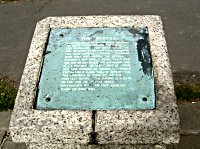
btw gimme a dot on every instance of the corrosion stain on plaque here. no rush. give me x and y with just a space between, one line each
97 68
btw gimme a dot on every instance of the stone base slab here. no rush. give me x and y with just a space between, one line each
160 125
100 146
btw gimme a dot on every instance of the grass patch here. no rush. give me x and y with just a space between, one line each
188 92
8 92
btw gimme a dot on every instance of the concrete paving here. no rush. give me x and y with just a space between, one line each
2 133
190 118
5 120
12 145
181 20
189 142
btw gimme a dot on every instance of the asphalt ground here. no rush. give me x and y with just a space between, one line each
181 19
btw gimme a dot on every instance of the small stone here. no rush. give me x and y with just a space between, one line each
194 76
158 146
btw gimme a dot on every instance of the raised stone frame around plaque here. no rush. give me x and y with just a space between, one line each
158 126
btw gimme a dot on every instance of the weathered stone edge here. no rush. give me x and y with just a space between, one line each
26 122
31 125
150 126
97 146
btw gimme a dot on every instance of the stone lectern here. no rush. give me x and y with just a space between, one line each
97 82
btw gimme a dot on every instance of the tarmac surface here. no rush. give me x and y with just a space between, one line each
181 19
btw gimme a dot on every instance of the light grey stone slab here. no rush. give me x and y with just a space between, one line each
170 146
31 125
5 120
99 146
190 118
160 125
12 145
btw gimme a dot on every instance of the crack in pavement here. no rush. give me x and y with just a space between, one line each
6 135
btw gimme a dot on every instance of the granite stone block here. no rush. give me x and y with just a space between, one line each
97 146
32 125
160 125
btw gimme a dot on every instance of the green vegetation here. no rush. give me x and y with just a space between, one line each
8 92
189 92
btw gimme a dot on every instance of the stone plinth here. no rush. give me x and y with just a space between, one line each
39 127
145 126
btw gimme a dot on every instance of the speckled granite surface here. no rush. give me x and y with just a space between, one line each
87 146
125 127
31 125
150 126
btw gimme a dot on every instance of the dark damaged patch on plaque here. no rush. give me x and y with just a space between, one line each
143 49
47 52
144 56
133 31
97 32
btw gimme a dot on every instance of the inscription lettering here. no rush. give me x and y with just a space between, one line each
88 65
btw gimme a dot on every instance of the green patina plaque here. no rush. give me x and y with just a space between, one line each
97 68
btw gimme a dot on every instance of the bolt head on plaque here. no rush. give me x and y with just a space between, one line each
97 69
